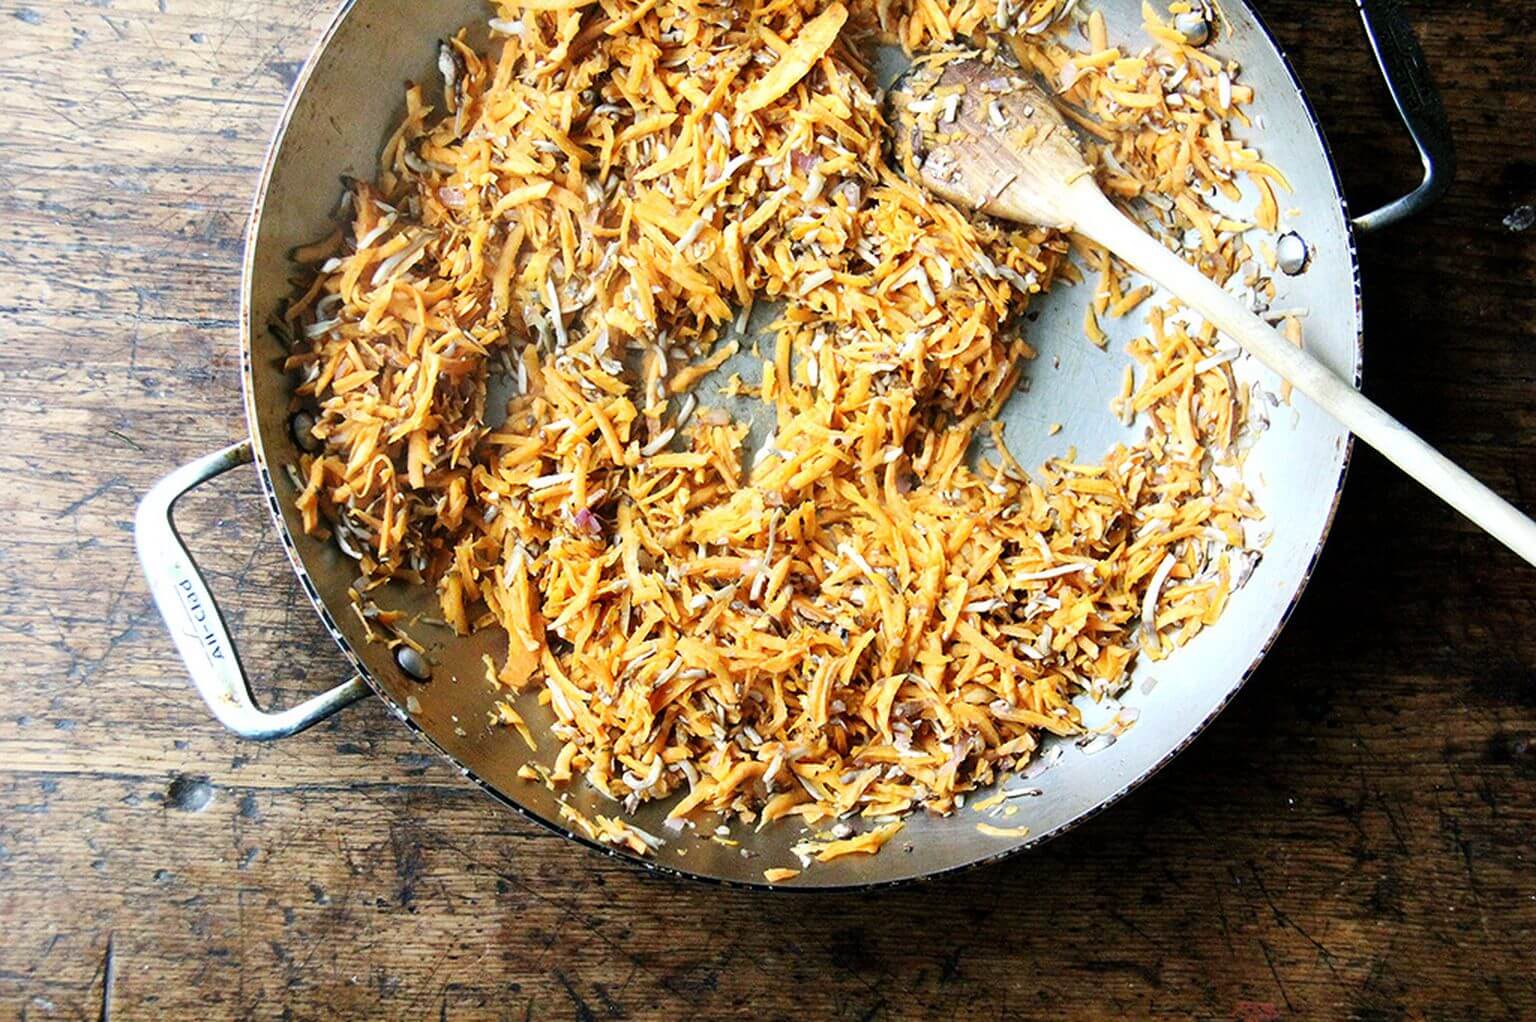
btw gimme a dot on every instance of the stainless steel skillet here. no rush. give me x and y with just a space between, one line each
347 101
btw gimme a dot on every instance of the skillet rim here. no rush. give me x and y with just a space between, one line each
654 865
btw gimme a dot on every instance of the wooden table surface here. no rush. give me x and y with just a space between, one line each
1355 837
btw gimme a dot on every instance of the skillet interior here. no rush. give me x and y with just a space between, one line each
349 98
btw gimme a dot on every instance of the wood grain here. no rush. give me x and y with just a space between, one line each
1354 838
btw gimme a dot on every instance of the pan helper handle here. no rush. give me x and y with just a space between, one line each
194 620
1406 73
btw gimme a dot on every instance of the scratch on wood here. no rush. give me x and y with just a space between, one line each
108 977
1269 959
583 1010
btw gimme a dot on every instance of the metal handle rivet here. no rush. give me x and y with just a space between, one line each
412 662
302 427
1291 253
1193 26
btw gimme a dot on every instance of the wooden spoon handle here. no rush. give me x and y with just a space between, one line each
1097 219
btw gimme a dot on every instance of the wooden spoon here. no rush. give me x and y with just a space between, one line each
1003 149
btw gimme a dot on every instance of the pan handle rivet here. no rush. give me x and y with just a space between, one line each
1193 26
413 663
302 427
1291 253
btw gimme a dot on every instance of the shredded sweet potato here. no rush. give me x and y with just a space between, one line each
857 616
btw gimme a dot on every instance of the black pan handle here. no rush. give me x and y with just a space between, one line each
194 620
1418 103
